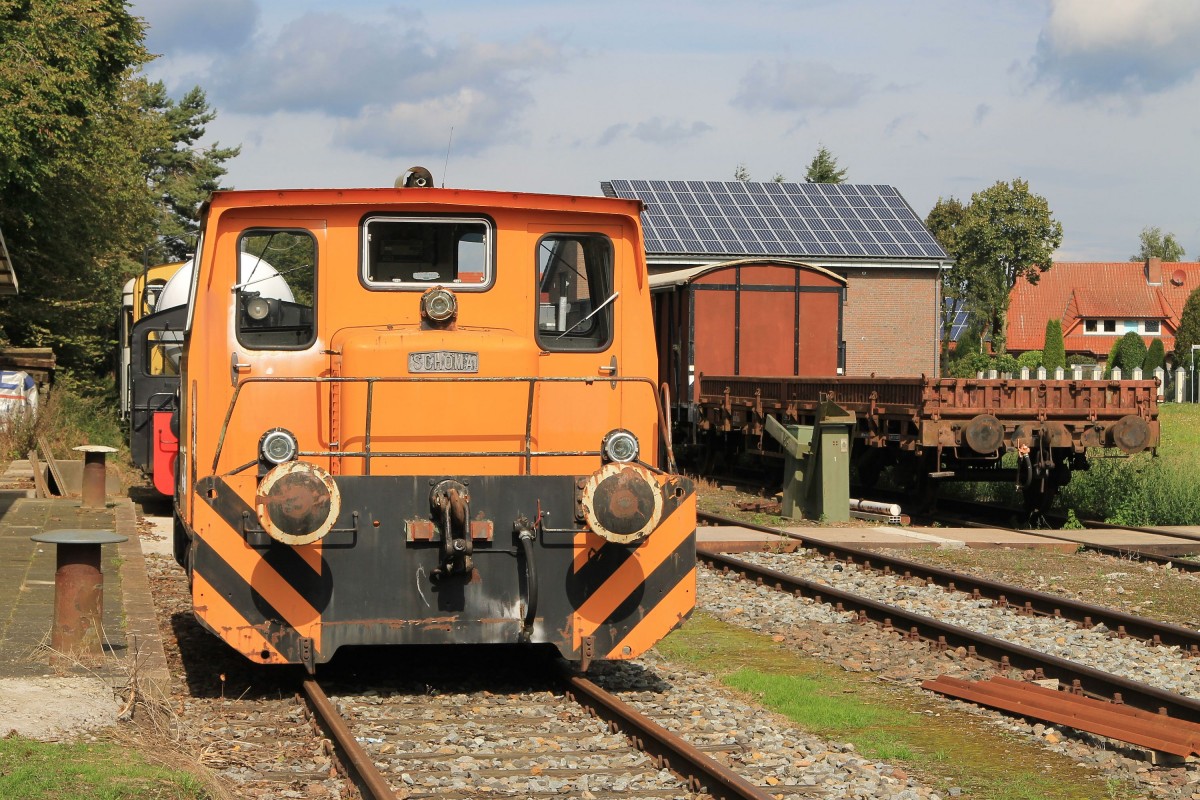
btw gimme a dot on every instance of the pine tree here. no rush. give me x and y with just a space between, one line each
1156 357
824 169
1054 353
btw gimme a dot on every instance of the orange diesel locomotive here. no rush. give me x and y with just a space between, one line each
446 430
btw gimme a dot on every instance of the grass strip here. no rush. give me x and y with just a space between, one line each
885 722
31 770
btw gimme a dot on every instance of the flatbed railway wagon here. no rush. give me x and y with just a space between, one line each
755 337
452 433
948 428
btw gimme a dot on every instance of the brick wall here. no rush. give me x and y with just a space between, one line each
890 324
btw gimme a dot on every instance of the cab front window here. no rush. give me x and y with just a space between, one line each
420 252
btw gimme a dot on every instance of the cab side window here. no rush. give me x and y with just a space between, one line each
575 292
276 289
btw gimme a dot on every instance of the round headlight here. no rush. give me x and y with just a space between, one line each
277 446
298 503
439 304
620 446
257 309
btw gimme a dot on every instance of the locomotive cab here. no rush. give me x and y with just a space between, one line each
443 427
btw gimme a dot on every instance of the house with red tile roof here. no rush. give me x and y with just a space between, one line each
1098 302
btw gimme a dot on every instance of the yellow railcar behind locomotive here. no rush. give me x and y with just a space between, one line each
445 428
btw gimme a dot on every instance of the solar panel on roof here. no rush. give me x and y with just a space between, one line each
771 218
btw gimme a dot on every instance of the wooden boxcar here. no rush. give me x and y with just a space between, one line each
747 317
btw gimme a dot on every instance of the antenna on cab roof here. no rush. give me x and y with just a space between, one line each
446 166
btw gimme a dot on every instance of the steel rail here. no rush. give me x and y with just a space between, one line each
703 773
366 775
1112 550
1023 600
1183 565
1088 680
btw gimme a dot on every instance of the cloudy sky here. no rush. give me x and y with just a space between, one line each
1095 102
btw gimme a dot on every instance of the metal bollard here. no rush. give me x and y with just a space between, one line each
78 590
93 473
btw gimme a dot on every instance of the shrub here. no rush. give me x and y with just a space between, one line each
1005 363
1131 352
968 365
66 418
1030 358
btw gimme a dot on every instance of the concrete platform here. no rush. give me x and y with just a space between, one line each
729 539
133 651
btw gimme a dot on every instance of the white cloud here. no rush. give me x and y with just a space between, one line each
800 86
422 129
1118 47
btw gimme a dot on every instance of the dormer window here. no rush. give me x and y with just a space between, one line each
1089 326
1110 326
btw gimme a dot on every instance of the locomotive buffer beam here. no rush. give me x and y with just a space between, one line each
816 470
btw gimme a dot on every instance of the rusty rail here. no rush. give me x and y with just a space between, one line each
1081 678
703 773
1111 720
369 779
1017 597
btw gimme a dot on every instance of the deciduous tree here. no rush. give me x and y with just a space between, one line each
88 151
1156 244
1009 234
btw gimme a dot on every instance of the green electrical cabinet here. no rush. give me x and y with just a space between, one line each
816 472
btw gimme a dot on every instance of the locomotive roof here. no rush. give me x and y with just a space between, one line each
467 198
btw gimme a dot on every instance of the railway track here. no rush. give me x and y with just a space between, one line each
917 626
580 739
1028 601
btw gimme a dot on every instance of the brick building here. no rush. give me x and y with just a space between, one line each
866 233
1098 302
